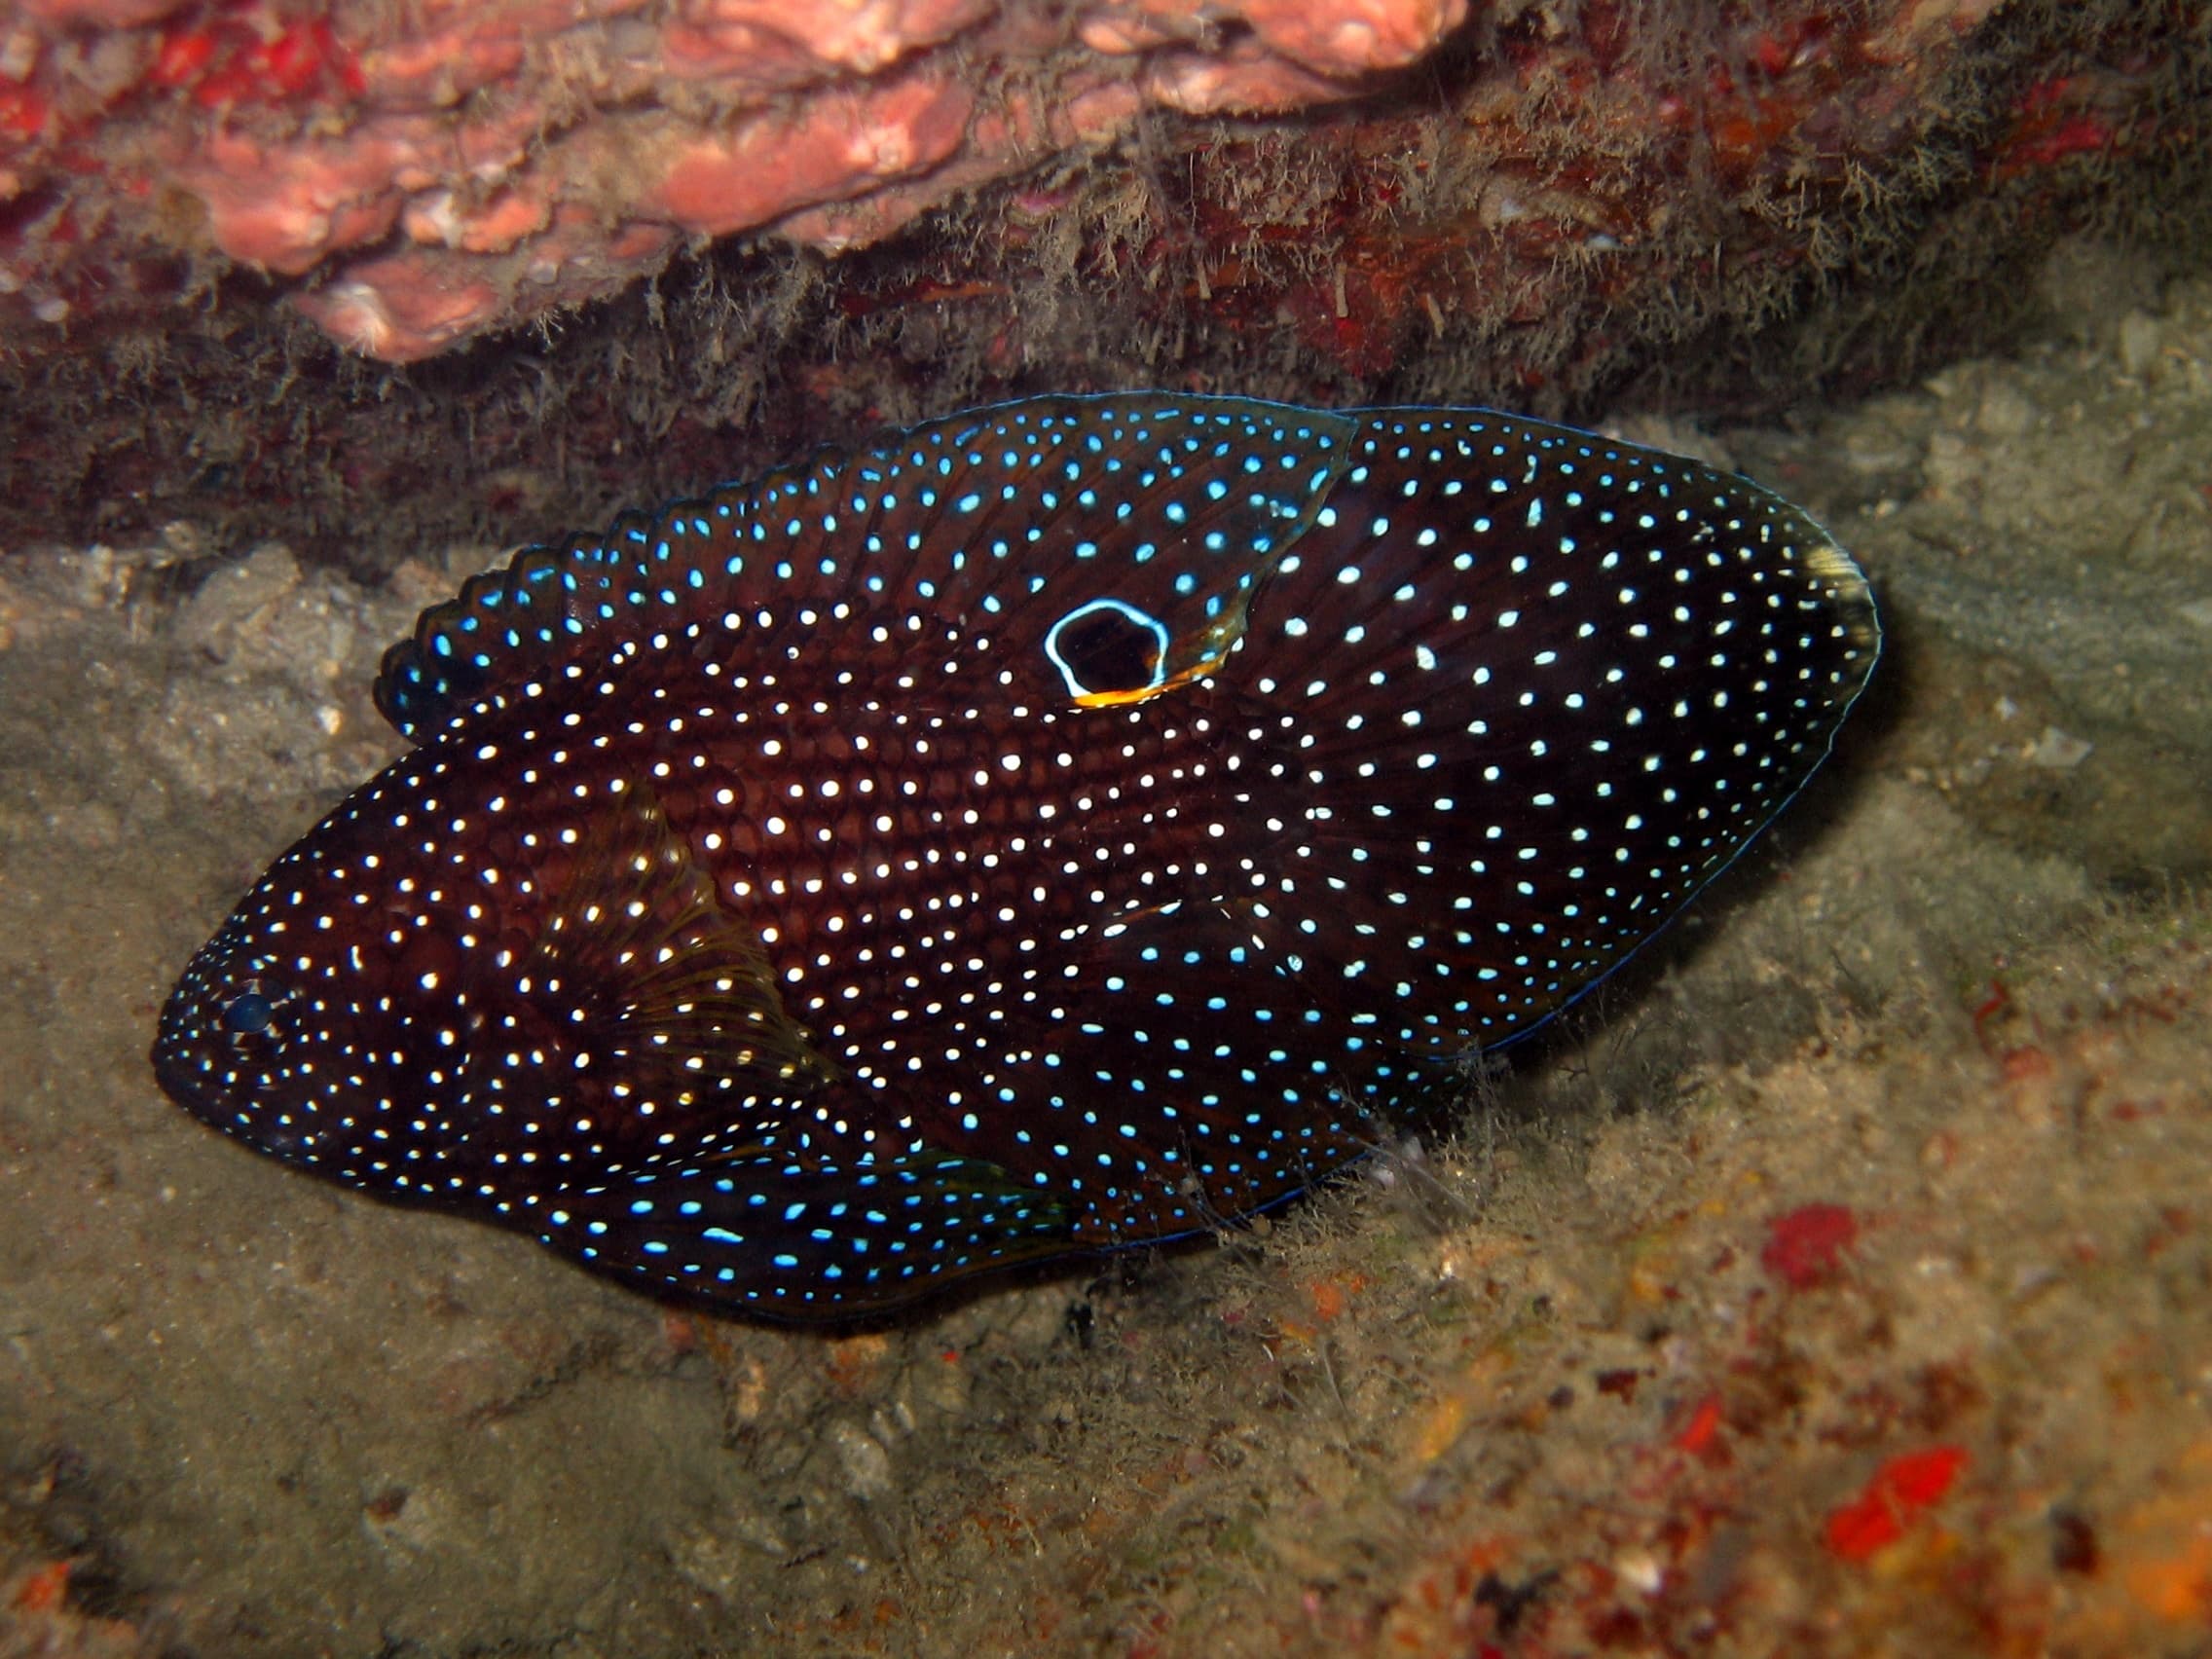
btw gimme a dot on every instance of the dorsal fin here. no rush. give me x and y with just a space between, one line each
528 617
1140 522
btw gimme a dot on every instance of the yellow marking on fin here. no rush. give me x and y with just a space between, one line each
1146 693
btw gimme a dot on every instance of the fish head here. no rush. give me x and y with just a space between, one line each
343 1017
479 1015
244 1042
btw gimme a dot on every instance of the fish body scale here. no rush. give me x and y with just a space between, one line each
1063 827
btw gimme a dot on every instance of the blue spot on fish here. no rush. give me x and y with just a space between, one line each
801 934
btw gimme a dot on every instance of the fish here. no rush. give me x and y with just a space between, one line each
1067 825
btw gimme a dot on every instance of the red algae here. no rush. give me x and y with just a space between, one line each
1807 1246
305 140
1894 1495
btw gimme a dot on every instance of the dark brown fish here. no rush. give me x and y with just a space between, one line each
1061 827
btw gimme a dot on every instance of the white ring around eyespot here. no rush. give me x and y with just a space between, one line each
1075 687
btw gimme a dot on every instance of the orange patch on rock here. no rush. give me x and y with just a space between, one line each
838 146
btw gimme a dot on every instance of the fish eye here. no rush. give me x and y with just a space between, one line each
247 1013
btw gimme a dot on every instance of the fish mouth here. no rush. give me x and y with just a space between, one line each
191 1048
174 1057
194 1060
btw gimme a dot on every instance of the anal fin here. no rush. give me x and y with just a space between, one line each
802 1239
